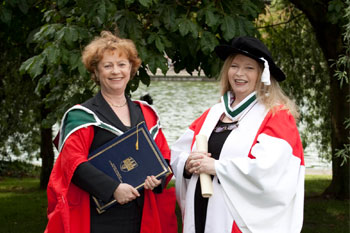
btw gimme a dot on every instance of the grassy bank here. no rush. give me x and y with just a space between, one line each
323 215
23 207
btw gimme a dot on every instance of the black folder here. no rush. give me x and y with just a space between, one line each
129 158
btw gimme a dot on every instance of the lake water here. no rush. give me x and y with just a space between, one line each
180 102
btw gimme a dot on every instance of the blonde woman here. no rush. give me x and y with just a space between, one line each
255 155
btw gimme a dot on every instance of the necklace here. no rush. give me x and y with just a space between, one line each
119 106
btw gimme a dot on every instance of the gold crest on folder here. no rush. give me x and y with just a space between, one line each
128 164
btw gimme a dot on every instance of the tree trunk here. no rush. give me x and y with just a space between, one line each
46 147
339 187
47 156
329 37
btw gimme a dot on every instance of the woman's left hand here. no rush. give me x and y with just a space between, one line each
151 182
206 165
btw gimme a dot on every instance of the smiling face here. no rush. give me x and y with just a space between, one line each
113 72
243 75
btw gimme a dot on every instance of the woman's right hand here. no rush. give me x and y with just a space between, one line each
125 193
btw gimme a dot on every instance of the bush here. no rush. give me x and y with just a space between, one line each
18 169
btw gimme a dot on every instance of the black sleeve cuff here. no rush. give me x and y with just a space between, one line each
94 181
185 175
159 188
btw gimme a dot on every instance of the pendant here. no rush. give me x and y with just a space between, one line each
230 127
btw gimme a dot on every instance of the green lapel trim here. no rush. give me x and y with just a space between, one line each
74 119
78 117
232 113
155 129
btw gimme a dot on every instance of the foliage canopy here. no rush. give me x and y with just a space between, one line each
156 27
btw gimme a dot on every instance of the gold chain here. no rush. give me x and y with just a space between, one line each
119 106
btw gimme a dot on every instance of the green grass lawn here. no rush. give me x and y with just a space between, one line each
23 207
324 215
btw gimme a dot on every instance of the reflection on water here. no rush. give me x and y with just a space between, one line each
180 102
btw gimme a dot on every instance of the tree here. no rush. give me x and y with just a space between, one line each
19 132
327 20
342 74
307 39
157 28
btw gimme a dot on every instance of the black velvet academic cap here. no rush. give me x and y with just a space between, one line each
253 48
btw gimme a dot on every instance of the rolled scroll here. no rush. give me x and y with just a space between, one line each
205 179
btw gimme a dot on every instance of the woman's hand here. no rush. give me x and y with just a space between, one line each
206 165
151 182
200 162
125 193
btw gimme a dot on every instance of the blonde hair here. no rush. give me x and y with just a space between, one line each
93 52
271 96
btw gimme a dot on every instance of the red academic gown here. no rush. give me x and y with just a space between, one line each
69 206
